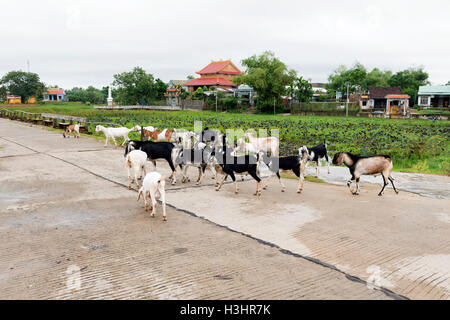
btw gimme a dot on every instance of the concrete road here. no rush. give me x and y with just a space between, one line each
70 229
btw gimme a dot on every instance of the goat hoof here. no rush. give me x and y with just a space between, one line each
164 219
299 191
283 190
217 189
396 191
380 194
152 215
129 187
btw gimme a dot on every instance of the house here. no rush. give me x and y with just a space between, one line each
55 94
319 91
388 100
434 96
245 93
12 99
218 74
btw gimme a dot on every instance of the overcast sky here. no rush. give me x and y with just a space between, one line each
81 43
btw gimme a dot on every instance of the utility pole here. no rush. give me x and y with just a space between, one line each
216 99
346 105
274 106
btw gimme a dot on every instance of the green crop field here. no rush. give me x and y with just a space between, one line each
415 145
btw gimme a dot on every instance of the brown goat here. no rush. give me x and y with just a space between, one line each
158 135
359 166
73 128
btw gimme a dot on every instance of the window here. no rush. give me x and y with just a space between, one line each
423 101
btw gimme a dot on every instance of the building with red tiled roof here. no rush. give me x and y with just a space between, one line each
55 94
218 74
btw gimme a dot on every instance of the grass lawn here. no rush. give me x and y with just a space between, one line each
416 145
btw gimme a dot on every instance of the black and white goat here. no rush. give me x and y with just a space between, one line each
295 163
317 153
232 165
210 136
359 166
200 156
157 150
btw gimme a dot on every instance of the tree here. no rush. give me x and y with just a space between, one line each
354 77
302 90
24 84
135 87
91 94
160 88
190 77
268 76
377 78
410 80
448 83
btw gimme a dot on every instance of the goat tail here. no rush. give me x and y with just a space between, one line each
162 179
128 162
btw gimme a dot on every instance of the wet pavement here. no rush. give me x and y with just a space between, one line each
64 205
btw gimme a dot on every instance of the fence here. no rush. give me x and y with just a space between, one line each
52 120
323 107
192 104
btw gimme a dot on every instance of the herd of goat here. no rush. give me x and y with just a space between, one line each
211 150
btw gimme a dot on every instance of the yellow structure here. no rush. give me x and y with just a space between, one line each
12 99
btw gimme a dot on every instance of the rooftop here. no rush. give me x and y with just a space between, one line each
218 66
382 92
427 90
209 82
55 91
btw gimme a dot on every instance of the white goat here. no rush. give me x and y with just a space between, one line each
185 136
153 187
244 147
113 133
266 144
135 160
149 128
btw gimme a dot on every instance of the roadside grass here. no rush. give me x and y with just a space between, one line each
434 112
69 108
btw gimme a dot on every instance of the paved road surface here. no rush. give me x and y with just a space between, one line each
70 229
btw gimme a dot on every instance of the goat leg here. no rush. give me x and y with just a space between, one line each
392 182
283 188
384 185
221 182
